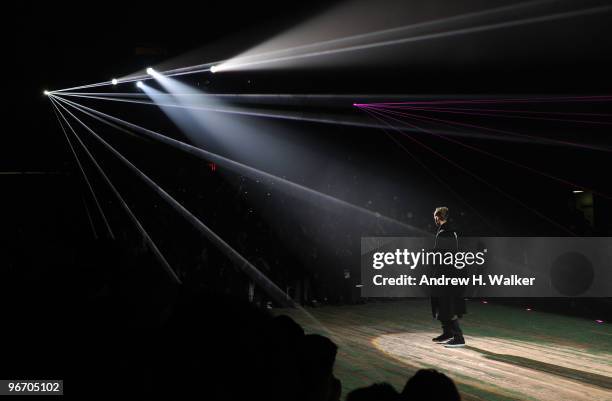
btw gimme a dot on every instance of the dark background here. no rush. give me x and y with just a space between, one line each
46 231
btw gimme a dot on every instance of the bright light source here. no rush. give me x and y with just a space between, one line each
150 71
114 81
139 84
46 92
577 191
214 69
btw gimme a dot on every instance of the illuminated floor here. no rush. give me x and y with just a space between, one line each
512 354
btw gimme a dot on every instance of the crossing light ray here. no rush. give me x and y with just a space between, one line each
445 122
477 149
84 174
300 191
260 52
236 257
356 122
289 53
430 172
165 101
122 202
475 176
290 59
258 277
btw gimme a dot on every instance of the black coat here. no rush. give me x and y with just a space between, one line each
446 306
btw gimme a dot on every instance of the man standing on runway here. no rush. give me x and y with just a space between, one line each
449 306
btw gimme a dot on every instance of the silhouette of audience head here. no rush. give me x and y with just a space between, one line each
429 384
205 339
318 355
375 392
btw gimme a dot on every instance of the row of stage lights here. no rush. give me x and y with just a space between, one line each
151 72
139 84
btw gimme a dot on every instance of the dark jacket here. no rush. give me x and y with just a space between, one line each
448 304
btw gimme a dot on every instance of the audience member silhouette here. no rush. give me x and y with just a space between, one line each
375 392
318 355
430 385
135 335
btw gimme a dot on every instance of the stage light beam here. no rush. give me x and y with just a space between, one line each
243 169
114 81
150 71
139 84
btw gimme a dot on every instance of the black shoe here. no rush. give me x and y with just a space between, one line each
456 342
442 338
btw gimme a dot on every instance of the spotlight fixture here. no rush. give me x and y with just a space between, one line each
214 69
114 81
150 71
139 84
46 92
577 191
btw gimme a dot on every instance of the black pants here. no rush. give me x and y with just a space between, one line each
452 327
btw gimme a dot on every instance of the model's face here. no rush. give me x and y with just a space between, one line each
436 219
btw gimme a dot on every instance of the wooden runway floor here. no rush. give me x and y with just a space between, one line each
511 353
